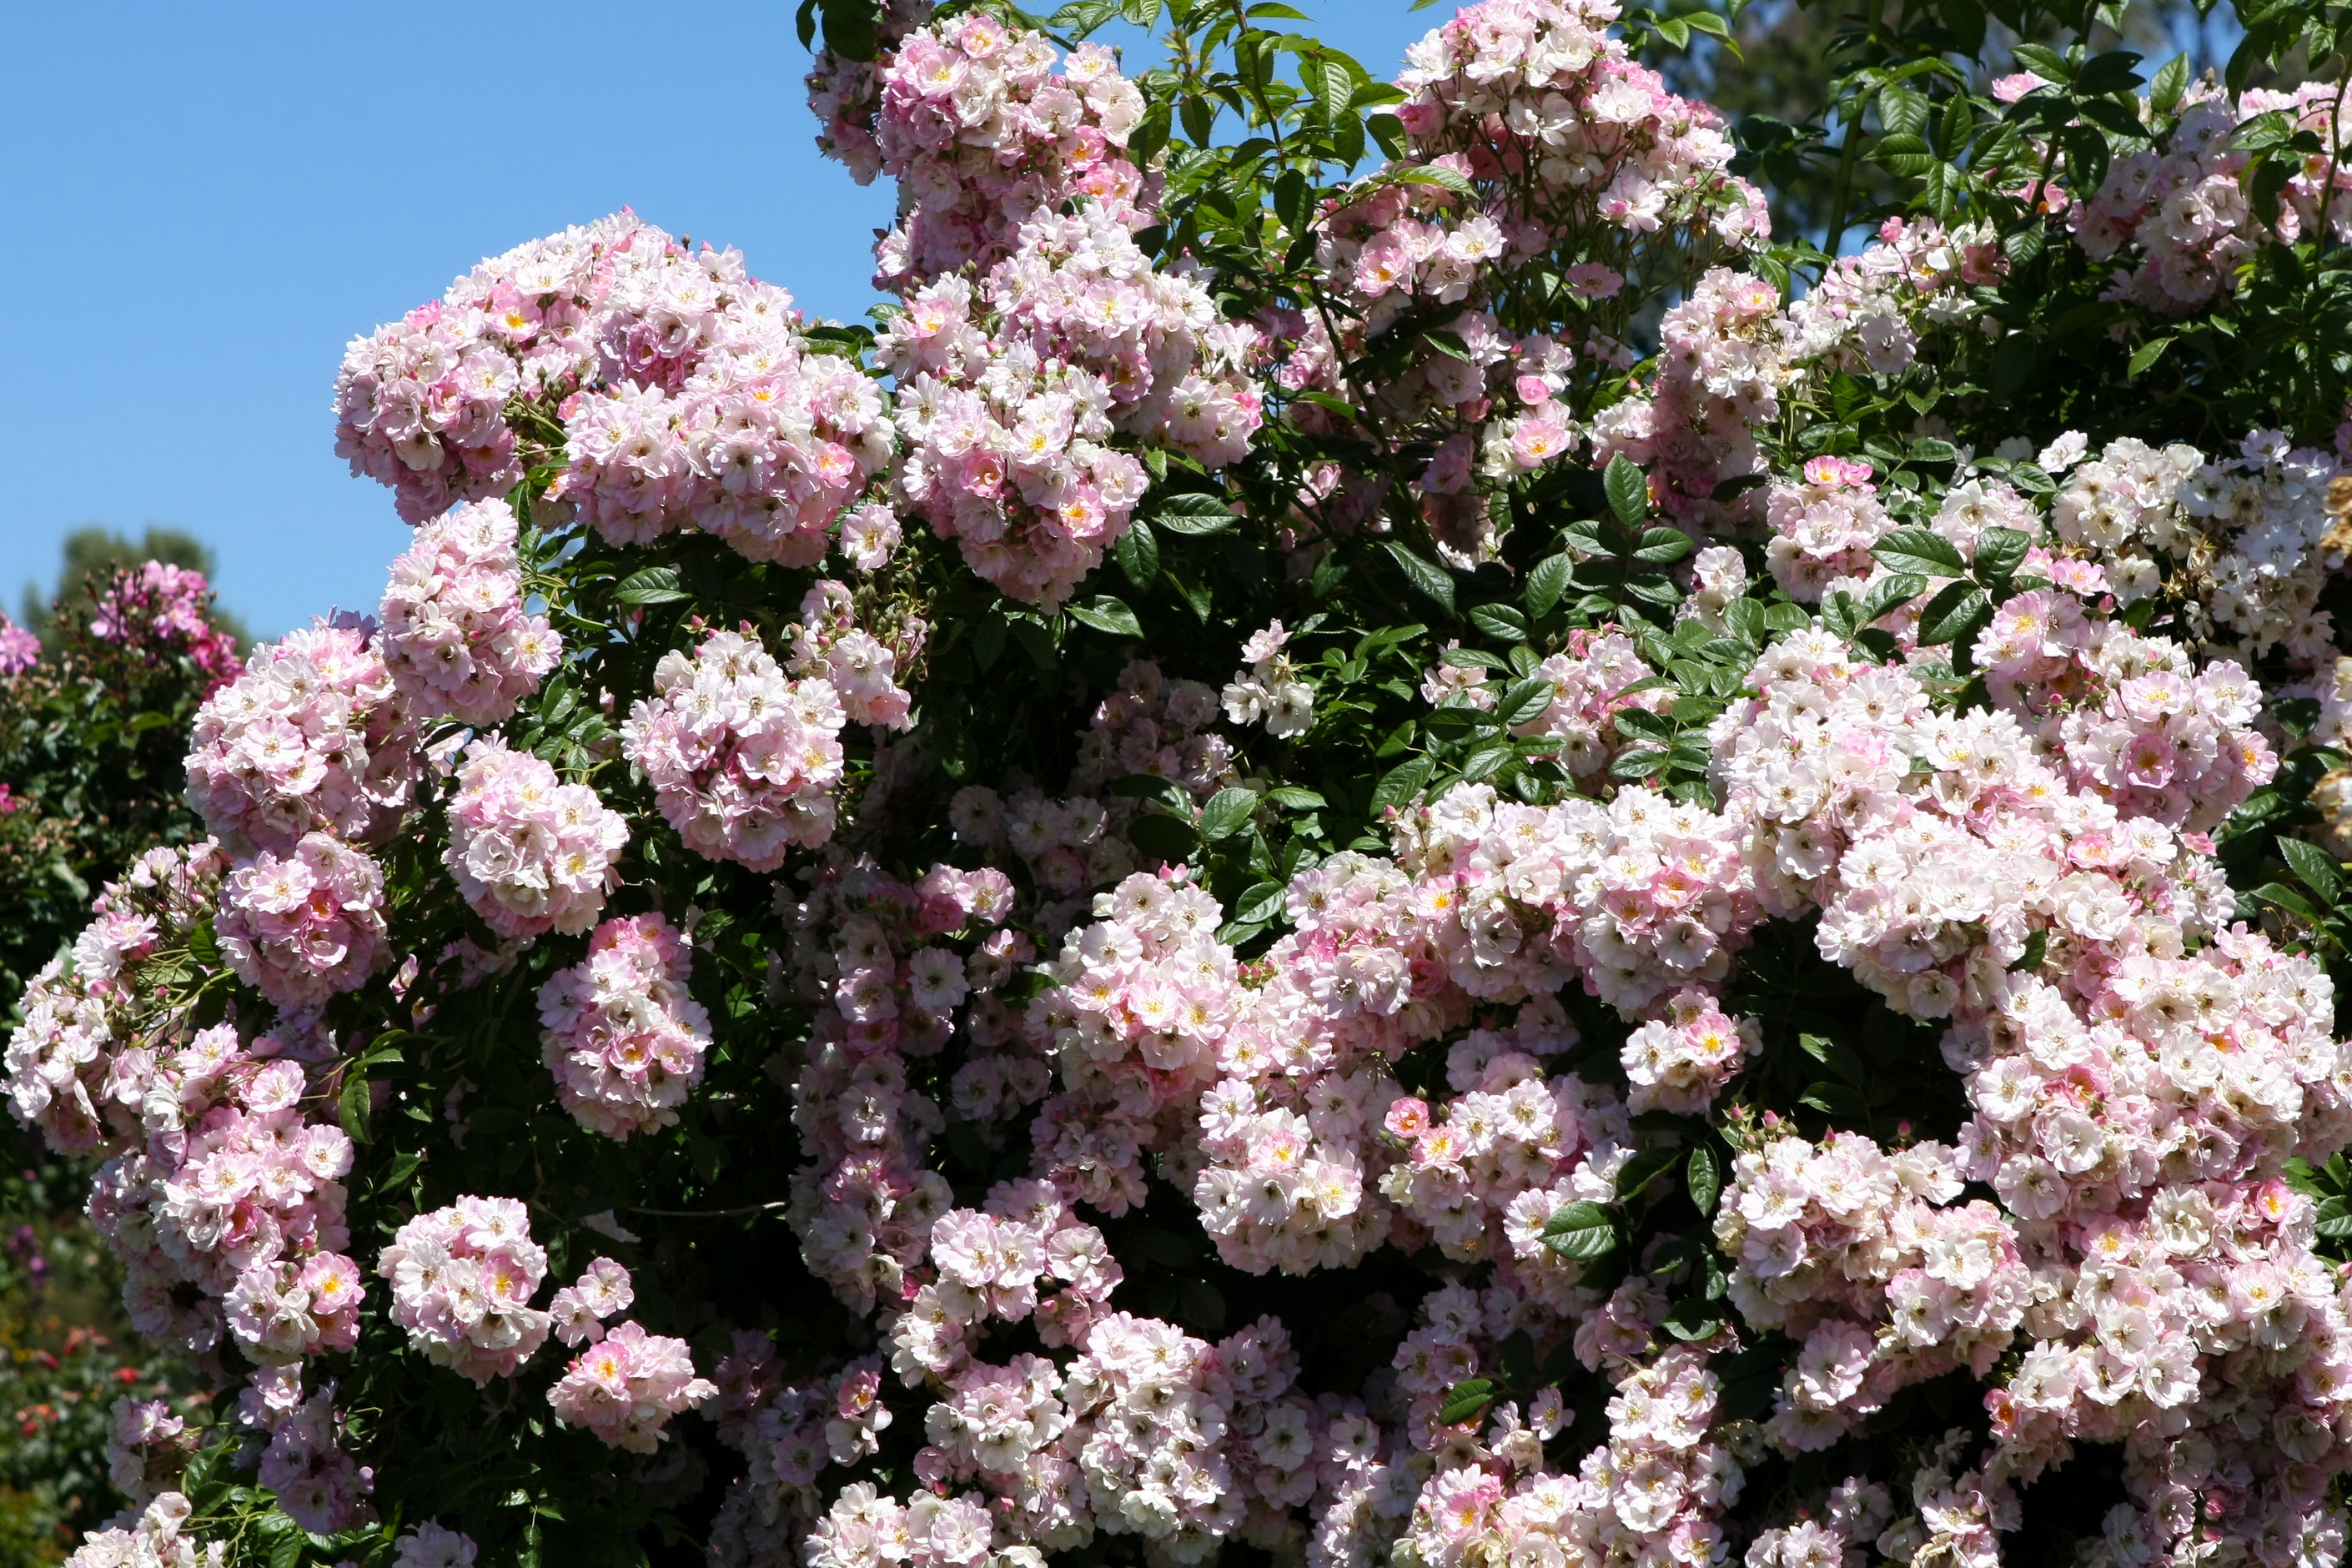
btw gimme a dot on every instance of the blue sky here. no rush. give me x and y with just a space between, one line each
210 201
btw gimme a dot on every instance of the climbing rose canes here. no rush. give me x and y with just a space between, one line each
1417 867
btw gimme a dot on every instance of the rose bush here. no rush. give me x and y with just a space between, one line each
1382 842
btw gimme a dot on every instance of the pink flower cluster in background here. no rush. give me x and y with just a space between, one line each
2177 215
161 611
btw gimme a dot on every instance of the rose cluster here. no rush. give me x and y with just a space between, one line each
456 636
744 762
309 737
162 610
621 1036
529 853
462 1279
982 135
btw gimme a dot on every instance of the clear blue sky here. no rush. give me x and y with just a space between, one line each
208 202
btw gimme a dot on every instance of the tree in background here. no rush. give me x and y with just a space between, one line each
93 555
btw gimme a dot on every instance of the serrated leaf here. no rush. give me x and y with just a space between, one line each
1137 550
2145 356
1193 513
1547 582
352 1109
1107 613
653 585
1694 1319
2171 82
1581 1230
1702 1177
1227 813
1465 1402
1953 613
1429 579
1291 797
1923 551
1661 546
1526 701
1889 594
1638 763
1628 489
2287 898
1258 904
2313 867
1502 621
1402 783
2000 550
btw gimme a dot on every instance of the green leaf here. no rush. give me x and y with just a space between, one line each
1465 1402
1083 16
1108 613
1402 784
1259 903
1139 554
2000 550
1702 1176
1227 813
2044 62
2171 81
1581 1230
1525 701
2287 898
354 1108
1923 551
1634 1177
2313 867
653 585
849 29
1890 593
2145 355
2108 73
1193 513
1547 582
1693 1320
1432 581
1290 797
1953 613
1161 840
1503 621
1662 545
2037 947
1628 491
